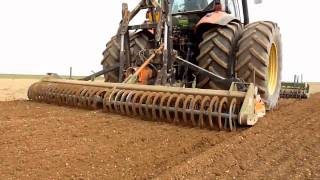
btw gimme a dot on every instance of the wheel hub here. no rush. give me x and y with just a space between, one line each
273 72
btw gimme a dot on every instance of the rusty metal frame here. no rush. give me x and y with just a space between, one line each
123 32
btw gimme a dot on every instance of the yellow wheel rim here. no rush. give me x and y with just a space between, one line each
273 69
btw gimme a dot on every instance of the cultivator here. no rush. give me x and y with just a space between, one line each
214 109
296 89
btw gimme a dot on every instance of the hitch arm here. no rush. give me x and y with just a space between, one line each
100 73
133 78
215 77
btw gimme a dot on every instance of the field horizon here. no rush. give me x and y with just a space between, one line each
15 86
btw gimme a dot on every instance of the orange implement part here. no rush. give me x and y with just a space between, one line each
144 75
260 107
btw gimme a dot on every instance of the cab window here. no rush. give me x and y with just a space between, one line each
189 5
232 8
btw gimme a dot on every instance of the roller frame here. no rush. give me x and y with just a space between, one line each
245 116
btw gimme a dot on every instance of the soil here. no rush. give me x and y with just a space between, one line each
14 89
314 87
41 141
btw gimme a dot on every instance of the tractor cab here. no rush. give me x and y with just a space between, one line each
187 13
189 5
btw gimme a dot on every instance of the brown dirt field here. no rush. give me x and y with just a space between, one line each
40 141
314 88
14 89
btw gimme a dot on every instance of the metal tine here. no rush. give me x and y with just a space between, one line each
203 111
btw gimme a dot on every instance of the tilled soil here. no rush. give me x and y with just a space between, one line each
14 89
40 141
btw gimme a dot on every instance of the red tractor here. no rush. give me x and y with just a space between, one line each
214 35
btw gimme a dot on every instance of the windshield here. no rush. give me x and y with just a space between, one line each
189 5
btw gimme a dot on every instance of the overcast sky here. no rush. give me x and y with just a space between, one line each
40 36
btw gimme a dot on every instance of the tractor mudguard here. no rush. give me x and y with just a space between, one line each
215 18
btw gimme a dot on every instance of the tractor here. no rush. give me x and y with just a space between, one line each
195 62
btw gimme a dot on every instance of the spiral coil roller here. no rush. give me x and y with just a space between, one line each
203 110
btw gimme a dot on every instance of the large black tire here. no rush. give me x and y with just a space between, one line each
138 41
259 59
217 53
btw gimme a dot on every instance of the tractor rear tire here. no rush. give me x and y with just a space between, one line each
138 41
217 53
259 60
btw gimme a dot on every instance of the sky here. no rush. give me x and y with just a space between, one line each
40 36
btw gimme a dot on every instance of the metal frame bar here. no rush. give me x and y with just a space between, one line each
245 9
166 89
124 28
